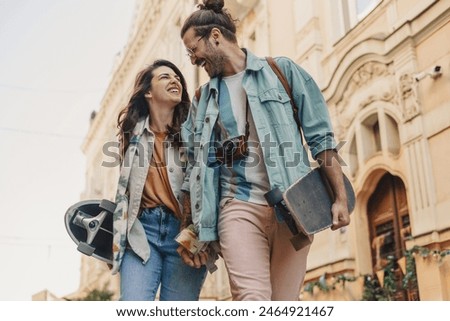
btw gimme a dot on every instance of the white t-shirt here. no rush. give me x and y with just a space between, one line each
247 179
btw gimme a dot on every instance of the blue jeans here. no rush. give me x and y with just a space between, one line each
140 282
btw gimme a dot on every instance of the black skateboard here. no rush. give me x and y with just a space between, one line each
90 225
306 205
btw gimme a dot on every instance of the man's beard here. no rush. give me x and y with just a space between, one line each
216 62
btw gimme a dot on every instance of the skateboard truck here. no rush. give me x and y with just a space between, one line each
275 199
89 223
92 226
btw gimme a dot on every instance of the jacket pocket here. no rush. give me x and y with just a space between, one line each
277 105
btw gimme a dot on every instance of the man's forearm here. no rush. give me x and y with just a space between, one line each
187 212
329 165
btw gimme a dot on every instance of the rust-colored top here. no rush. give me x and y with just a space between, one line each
157 190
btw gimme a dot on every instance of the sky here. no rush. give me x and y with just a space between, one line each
56 60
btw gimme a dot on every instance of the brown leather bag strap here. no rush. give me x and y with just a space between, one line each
276 69
198 93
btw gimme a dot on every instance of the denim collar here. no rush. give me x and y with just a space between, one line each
253 63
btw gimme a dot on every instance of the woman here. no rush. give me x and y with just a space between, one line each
152 119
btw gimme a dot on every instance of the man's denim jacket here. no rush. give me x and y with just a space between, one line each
285 158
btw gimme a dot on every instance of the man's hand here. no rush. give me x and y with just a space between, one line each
192 252
341 217
192 260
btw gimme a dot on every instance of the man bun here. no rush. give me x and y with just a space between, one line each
211 14
214 5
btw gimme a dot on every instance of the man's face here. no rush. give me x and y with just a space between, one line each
204 54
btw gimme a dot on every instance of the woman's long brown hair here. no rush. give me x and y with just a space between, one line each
138 108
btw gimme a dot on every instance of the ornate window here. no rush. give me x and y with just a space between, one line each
350 13
376 134
363 7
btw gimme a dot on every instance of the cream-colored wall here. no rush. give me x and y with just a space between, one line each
439 151
403 39
369 70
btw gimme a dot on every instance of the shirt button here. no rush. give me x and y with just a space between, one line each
171 169
279 97
207 120
197 206
198 177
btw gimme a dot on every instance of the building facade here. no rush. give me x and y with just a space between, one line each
383 67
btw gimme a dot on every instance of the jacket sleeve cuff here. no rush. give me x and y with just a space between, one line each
327 143
207 234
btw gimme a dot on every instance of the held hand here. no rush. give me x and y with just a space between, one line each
341 217
193 260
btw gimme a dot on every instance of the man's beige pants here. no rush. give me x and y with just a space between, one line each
261 262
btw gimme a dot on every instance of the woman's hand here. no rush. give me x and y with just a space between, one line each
193 260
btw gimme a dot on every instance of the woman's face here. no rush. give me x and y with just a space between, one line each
166 87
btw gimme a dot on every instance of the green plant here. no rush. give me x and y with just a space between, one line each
410 277
372 290
326 286
98 295
425 252
390 281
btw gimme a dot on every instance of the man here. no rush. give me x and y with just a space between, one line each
245 106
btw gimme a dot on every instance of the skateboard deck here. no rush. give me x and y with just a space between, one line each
310 200
90 225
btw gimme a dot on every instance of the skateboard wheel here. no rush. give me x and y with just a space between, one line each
85 248
107 206
274 196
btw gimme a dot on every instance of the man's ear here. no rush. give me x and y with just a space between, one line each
216 33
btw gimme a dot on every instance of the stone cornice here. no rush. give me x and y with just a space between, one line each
382 46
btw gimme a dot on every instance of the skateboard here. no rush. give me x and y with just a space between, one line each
90 225
306 205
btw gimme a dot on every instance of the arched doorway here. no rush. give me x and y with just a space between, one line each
389 226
